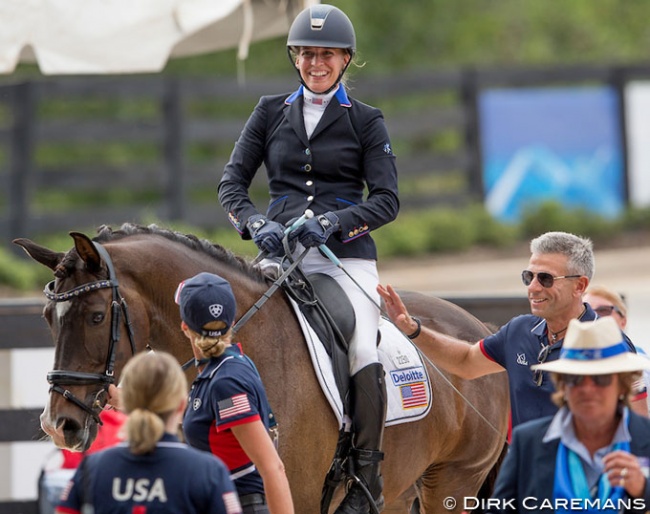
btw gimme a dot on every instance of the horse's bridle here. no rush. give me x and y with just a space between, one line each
58 378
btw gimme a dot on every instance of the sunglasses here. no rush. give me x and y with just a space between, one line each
545 279
538 375
606 310
576 380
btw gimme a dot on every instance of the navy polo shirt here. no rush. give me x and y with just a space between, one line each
516 347
227 392
172 478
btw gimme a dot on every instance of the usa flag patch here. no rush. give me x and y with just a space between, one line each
413 395
238 404
231 501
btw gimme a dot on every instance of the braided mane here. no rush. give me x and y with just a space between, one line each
105 234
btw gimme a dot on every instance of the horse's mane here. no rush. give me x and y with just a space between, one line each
106 233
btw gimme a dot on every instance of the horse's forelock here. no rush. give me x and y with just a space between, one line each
60 271
67 265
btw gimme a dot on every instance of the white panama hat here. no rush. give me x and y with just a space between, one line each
595 348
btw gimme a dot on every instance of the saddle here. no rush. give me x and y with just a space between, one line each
327 318
328 310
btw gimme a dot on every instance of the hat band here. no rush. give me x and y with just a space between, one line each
212 333
586 354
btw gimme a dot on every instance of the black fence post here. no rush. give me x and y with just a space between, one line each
469 94
173 150
21 160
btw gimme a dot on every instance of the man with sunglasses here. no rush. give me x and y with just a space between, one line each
558 273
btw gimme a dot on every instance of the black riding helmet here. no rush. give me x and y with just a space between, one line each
323 26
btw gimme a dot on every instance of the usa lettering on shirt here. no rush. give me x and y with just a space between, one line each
139 490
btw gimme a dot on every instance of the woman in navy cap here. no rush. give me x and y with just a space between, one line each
330 153
228 413
153 471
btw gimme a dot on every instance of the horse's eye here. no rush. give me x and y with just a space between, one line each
98 317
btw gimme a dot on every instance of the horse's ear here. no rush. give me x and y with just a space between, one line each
87 251
40 254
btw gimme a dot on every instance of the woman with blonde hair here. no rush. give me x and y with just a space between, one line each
229 414
607 302
152 471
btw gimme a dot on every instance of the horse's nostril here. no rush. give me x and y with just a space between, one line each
76 437
69 425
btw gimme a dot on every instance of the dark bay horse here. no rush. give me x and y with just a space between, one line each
113 296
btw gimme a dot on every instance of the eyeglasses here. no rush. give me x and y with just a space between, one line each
545 279
538 375
576 380
606 310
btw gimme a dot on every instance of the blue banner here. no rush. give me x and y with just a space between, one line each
562 144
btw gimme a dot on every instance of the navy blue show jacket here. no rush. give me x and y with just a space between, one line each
348 152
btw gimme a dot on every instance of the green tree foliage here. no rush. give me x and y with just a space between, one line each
433 34
430 34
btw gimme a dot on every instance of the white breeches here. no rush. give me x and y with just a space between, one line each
363 346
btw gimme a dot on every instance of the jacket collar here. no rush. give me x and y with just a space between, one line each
340 96
293 112
640 444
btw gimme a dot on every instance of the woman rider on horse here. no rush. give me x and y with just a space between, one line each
321 149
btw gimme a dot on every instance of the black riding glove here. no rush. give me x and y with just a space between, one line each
267 234
317 230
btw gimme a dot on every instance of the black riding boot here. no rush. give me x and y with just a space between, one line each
368 417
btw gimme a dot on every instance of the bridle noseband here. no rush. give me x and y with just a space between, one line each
58 378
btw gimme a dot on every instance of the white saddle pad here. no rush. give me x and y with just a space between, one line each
407 379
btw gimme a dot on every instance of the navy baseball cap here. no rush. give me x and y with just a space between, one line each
204 298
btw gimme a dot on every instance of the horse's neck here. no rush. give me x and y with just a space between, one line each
164 318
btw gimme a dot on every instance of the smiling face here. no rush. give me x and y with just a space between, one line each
320 68
563 300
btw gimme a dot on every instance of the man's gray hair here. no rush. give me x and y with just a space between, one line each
579 250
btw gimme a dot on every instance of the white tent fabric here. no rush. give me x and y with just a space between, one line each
132 36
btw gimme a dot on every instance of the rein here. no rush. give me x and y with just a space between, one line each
58 378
